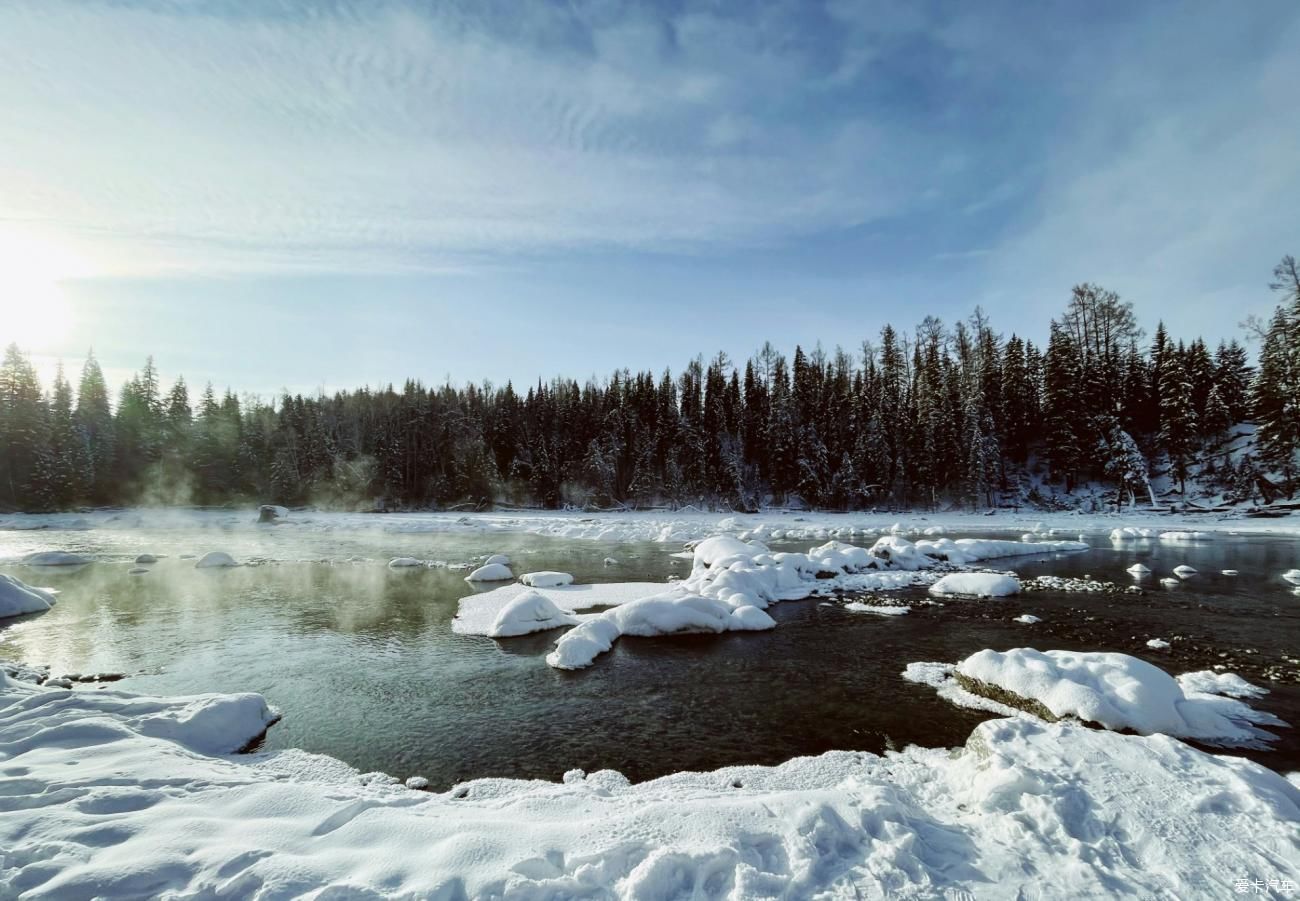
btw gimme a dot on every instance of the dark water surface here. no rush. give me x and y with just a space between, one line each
363 663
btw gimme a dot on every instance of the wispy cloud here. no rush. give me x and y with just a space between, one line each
377 136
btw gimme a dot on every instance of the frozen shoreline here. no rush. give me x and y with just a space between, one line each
114 795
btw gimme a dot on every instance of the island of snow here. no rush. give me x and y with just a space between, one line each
979 585
1116 691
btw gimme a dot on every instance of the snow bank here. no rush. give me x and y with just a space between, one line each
529 612
1116 691
214 559
56 558
491 572
17 597
546 579
1026 809
980 585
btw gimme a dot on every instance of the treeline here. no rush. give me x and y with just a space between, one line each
945 415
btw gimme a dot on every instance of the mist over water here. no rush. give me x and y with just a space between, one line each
362 661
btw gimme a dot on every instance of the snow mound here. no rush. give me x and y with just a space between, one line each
478 612
1184 571
1157 644
146 559
55 558
1138 569
1116 691
546 579
859 607
404 563
497 559
271 513
1131 533
1229 572
1292 576
491 572
1026 809
1170 583
670 613
18 598
214 559
980 585
1177 537
1027 618
529 612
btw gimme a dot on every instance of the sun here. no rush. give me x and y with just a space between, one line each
34 309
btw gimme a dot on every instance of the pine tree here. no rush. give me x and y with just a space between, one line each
23 434
1062 406
94 421
65 463
1177 416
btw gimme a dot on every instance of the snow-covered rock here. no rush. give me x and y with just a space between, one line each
546 579
404 563
18 598
56 558
477 612
1131 533
215 559
1027 618
1139 569
145 559
1292 576
1170 582
1184 571
1229 572
980 585
529 612
497 560
491 572
271 513
610 561
1116 691
1157 644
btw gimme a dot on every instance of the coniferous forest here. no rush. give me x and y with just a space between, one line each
956 415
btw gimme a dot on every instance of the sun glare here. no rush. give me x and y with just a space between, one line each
34 310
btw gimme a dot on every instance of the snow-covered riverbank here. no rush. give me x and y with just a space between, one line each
109 795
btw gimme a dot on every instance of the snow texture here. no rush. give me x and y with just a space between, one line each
18 598
529 612
108 795
1117 691
980 585
491 572
546 579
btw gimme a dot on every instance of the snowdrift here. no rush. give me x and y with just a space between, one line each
110 795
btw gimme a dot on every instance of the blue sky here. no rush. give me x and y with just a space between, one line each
277 194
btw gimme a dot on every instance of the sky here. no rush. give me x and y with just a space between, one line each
273 195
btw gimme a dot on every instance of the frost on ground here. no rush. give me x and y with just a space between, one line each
108 795
17 597
1115 691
